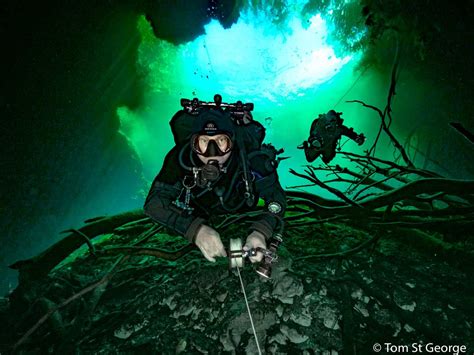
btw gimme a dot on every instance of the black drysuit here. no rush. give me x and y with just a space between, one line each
168 186
329 137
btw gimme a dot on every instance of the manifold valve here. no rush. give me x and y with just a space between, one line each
235 253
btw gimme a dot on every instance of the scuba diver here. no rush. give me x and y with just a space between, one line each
325 133
217 166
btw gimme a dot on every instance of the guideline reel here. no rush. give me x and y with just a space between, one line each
237 255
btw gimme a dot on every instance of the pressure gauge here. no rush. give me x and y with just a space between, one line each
274 207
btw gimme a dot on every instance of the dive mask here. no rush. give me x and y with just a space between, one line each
211 146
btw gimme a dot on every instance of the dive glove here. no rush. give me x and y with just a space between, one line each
255 240
209 242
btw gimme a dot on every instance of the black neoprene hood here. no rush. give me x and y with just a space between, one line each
211 122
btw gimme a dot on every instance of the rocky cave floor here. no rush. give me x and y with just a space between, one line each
389 292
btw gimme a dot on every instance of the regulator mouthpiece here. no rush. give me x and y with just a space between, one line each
210 171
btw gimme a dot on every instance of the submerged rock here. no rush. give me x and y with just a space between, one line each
192 306
404 300
287 288
293 335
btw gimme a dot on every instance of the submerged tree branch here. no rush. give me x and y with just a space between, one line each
462 130
409 170
41 264
342 253
105 279
312 177
159 253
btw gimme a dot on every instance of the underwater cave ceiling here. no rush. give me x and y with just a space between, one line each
182 21
434 30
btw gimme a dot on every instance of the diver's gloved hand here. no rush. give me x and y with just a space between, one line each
255 240
316 142
209 242
360 139
303 145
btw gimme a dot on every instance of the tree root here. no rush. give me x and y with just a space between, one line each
159 253
86 238
345 253
463 131
90 288
312 177
40 265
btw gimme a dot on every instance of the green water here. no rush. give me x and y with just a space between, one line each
291 70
